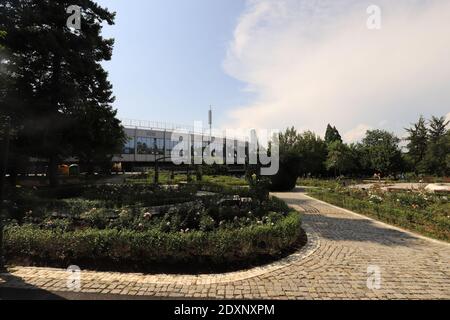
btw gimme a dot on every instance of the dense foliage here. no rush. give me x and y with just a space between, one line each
300 154
379 152
100 226
170 178
332 135
111 248
429 147
57 93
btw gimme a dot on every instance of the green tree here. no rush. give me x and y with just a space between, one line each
447 160
5 79
381 152
340 158
61 87
96 136
313 153
300 154
332 135
438 148
287 175
3 71
438 128
417 144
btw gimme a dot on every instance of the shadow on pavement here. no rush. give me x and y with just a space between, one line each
341 228
361 230
14 288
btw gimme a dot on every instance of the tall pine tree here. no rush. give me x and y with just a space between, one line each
438 148
438 128
332 135
62 98
417 144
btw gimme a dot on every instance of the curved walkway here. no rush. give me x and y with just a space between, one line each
344 252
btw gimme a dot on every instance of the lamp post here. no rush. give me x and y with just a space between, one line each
156 177
162 158
3 165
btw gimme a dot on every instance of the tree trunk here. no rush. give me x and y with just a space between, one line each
54 98
53 171
4 161
12 172
156 177
90 170
3 168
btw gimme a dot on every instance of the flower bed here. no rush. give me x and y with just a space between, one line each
112 227
418 211
112 247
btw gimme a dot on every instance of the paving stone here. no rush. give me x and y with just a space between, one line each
332 265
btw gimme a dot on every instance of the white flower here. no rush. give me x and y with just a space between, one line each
147 215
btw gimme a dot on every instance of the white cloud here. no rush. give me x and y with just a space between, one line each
310 63
356 134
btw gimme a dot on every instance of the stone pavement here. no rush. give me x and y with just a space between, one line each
344 256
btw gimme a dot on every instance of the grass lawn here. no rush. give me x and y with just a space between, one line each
164 178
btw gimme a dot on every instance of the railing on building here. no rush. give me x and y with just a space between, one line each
166 126
155 125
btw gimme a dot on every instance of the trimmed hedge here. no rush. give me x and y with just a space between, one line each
94 248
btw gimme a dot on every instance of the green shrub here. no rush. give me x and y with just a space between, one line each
207 223
148 195
226 181
94 247
286 178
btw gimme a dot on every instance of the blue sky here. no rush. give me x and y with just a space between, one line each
167 59
273 64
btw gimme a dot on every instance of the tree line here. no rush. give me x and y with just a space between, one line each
380 152
54 91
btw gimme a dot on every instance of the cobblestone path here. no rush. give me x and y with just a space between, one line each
344 252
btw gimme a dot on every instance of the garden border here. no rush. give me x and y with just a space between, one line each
312 244
384 224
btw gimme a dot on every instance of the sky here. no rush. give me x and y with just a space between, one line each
278 63
167 59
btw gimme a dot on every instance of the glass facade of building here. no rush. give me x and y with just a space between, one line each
170 145
143 145
146 145
128 148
